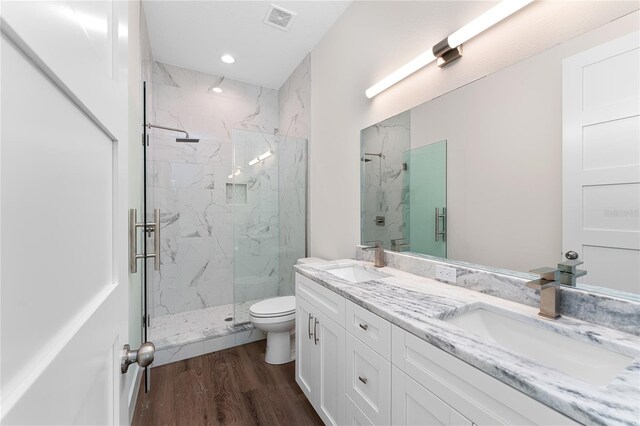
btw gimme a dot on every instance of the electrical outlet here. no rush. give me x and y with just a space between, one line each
446 274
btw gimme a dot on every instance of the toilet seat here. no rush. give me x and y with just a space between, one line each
276 307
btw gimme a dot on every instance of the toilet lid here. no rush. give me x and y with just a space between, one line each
275 307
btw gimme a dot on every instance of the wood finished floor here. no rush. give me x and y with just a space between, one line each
230 387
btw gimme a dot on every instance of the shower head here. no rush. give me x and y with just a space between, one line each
365 160
186 139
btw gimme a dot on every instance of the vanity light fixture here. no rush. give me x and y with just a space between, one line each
260 158
227 59
449 49
265 155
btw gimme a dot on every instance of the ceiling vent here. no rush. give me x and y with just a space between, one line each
279 17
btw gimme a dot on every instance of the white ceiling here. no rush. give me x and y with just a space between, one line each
194 34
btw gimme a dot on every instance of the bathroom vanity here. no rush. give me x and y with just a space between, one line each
382 346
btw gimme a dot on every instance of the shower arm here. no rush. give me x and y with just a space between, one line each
155 126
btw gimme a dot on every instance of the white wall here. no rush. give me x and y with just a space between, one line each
504 156
371 40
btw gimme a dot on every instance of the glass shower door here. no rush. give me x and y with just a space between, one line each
267 188
427 167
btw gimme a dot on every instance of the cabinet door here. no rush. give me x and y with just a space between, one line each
330 341
354 416
415 405
306 351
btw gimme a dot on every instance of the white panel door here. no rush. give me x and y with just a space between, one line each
601 162
63 171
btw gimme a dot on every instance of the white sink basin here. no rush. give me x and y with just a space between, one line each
356 274
590 363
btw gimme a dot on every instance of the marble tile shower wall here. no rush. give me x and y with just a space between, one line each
294 100
384 189
189 182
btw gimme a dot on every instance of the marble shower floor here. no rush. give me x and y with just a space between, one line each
193 326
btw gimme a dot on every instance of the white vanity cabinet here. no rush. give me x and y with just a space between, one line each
320 349
357 368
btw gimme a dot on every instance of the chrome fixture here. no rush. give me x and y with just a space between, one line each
186 139
143 356
448 50
550 278
378 256
148 227
377 154
441 232
400 244
379 220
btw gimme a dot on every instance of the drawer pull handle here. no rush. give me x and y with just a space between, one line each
309 325
363 379
315 337
363 326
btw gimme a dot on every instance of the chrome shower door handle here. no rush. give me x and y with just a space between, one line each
133 239
442 216
156 241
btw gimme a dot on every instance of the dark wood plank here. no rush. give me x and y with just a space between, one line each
230 387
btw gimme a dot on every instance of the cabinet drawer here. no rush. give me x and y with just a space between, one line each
368 381
371 329
326 301
355 416
471 392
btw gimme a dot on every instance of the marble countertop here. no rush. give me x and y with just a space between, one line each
419 305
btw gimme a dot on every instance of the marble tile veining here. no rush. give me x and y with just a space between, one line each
419 304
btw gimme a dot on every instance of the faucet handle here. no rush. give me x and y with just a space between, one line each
570 266
546 273
548 278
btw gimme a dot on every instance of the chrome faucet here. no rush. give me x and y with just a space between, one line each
550 278
378 255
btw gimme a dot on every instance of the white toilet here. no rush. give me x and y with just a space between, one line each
277 317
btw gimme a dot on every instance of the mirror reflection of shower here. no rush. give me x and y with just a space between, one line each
364 159
186 139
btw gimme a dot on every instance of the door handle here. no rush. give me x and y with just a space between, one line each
133 239
315 336
143 356
309 325
442 232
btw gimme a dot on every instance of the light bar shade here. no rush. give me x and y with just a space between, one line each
254 161
265 155
491 17
401 73
488 19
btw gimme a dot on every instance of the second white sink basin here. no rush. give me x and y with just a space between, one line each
356 274
588 362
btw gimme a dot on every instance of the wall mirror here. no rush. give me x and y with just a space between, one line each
520 166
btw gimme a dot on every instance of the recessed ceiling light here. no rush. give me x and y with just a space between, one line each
227 59
216 89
